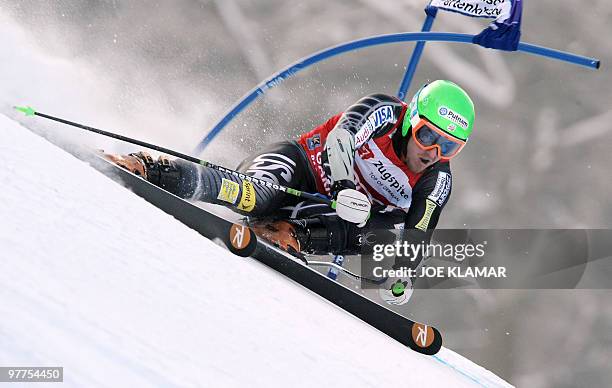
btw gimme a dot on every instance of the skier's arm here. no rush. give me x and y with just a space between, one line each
329 233
429 198
372 116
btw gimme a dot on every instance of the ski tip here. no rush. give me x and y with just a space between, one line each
241 240
27 110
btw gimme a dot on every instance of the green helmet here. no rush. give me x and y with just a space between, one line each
446 105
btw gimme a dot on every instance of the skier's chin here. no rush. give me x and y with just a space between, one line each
416 164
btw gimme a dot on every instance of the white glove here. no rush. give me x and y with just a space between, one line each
353 206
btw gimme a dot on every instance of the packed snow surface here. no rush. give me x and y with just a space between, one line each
97 280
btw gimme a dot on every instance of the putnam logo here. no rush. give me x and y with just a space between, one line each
453 116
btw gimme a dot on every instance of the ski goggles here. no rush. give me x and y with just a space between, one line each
427 136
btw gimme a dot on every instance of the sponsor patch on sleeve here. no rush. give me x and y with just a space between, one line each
229 191
374 121
247 199
429 209
442 188
313 142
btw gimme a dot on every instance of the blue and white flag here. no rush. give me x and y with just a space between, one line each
503 34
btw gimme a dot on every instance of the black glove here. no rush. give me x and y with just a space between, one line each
330 234
341 185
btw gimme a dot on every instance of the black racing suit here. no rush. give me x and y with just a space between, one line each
288 164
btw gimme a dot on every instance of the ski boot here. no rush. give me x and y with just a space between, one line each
282 234
137 163
161 172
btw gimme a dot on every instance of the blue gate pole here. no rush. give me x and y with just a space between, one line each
416 53
317 57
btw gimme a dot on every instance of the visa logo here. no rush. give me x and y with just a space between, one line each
375 120
381 116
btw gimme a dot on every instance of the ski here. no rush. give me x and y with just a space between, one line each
242 241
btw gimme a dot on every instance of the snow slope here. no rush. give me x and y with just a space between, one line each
96 280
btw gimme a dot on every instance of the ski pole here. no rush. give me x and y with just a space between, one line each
29 111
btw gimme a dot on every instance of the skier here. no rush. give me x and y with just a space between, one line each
388 158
